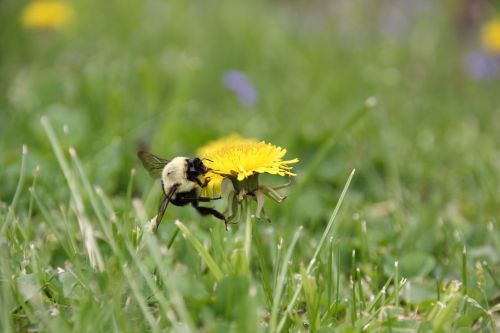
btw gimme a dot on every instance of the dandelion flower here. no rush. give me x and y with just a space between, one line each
490 36
47 14
241 160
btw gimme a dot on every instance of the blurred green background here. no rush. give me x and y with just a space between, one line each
125 75
171 75
151 74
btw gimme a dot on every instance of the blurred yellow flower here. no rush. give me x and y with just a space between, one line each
490 36
47 14
240 158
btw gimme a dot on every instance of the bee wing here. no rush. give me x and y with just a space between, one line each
152 163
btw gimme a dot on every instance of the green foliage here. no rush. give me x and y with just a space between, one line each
374 86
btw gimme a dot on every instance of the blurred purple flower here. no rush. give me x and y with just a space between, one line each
239 83
397 18
481 66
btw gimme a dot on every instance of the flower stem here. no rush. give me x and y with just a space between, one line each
248 232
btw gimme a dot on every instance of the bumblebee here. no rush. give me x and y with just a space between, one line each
180 182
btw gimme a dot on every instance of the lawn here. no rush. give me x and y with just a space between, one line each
390 224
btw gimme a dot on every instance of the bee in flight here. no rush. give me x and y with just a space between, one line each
180 181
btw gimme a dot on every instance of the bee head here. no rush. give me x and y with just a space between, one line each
196 166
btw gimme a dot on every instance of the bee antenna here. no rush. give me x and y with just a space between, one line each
207 159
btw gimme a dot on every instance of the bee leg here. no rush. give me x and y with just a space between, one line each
161 211
201 184
185 198
197 181
163 206
210 211
207 199
206 180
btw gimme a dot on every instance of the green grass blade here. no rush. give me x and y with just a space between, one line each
86 229
70 178
6 297
154 249
360 289
36 173
281 279
212 265
329 276
464 271
90 193
396 283
318 249
19 187
265 274
175 297
354 306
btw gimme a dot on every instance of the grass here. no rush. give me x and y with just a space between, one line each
407 243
